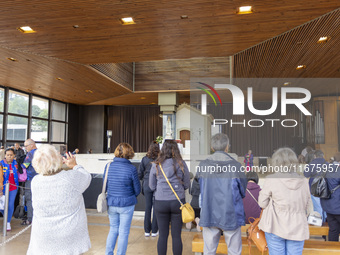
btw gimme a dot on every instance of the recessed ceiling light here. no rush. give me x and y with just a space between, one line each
26 29
58 78
299 67
245 10
143 98
89 91
287 83
184 16
323 39
75 26
127 21
12 59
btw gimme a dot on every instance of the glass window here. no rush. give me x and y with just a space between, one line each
17 128
58 111
39 130
58 132
40 107
1 124
66 133
18 103
2 99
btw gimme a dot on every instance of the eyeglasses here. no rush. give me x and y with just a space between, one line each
27 145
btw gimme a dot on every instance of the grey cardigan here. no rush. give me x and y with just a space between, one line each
179 181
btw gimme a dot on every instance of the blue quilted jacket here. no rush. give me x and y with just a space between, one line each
123 185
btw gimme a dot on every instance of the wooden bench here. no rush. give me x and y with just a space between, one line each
311 247
313 230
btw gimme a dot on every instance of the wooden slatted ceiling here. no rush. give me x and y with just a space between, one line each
141 98
37 75
212 29
279 57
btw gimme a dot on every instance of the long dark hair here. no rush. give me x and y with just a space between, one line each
153 150
170 150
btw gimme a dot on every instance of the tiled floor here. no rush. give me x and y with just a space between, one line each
98 225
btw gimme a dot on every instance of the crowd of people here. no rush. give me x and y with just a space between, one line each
18 171
223 201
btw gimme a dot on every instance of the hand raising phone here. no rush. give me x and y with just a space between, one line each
70 160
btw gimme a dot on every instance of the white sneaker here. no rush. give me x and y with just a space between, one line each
198 227
146 234
9 226
155 234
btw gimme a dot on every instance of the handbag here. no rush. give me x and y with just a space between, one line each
22 177
188 214
101 200
314 218
255 234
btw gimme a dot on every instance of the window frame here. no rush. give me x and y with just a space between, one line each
4 141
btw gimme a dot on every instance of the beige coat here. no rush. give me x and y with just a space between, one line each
285 198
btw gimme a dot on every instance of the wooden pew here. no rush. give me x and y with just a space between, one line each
313 230
311 247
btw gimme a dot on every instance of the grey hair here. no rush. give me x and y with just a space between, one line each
318 154
47 160
284 157
219 142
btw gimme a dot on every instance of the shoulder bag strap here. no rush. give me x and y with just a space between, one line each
170 185
333 190
105 178
256 202
253 197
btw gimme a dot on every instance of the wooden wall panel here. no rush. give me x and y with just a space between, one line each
121 73
176 74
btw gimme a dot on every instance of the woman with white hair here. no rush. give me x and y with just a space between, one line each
59 220
285 200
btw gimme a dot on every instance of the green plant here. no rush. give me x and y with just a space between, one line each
159 139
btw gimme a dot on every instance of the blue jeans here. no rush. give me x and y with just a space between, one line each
120 222
11 200
280 246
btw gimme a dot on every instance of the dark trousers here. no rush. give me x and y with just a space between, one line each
168 212
334 227
148 226
28 198
197 212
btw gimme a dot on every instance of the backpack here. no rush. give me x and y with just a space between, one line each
319 187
